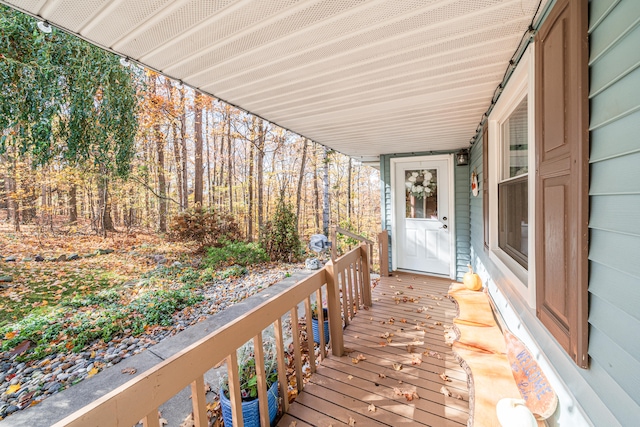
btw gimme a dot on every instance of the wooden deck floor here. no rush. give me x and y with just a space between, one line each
342 390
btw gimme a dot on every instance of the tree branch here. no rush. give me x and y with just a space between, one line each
153 191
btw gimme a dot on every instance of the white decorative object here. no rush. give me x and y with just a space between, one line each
514 413
474 184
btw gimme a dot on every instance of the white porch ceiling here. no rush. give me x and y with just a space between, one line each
365 77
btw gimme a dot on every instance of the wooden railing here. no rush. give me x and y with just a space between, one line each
333 237
347 286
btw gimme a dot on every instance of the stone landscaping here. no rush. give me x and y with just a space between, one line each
26 381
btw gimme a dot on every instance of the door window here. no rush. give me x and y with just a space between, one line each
421 193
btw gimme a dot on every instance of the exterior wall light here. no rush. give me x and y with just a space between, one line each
462 157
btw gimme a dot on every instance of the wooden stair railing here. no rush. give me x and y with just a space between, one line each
346 283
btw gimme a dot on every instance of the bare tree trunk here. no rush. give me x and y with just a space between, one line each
199 172
325 191
260 166
73 204
158 136
300 180
316 189
11 185
176 156
206 140
183 149
230 163
349 206
104 203
252 155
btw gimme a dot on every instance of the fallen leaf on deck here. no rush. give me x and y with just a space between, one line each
359 358
293 424
459 397
397 366
445 377
410 287
416 360
410 348
445 391
408 394
352 422
434 354
382 375
350 377
385 335
372 408
129 371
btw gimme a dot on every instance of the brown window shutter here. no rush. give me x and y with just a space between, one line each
485 184
562 176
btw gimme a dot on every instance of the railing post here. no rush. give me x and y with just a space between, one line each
335 318
383 252
333 238
366 276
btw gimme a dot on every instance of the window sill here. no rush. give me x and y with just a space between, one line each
514 273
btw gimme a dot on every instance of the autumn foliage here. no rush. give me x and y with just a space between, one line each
206 227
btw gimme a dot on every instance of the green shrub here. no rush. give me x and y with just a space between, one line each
233 271
157 307
231 253
209 228
280 238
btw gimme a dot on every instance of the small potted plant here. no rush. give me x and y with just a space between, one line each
314 323
249 385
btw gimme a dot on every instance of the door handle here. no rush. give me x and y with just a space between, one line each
444 226
444 218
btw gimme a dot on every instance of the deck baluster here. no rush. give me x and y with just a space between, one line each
297 353
282 366
234 389
323 350
263 402
310 342
199 403
333 301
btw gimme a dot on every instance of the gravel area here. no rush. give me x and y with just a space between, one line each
26 384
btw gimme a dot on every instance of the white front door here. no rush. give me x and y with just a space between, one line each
422 217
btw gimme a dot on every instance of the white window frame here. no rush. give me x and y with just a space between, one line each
521 84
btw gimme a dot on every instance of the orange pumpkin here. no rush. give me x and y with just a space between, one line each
471 280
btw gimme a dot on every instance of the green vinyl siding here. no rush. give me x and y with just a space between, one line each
614 217
461 201
607 392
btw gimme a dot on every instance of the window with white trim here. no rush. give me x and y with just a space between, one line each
511 157
513 210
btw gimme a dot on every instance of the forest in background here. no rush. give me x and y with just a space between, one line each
89 175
